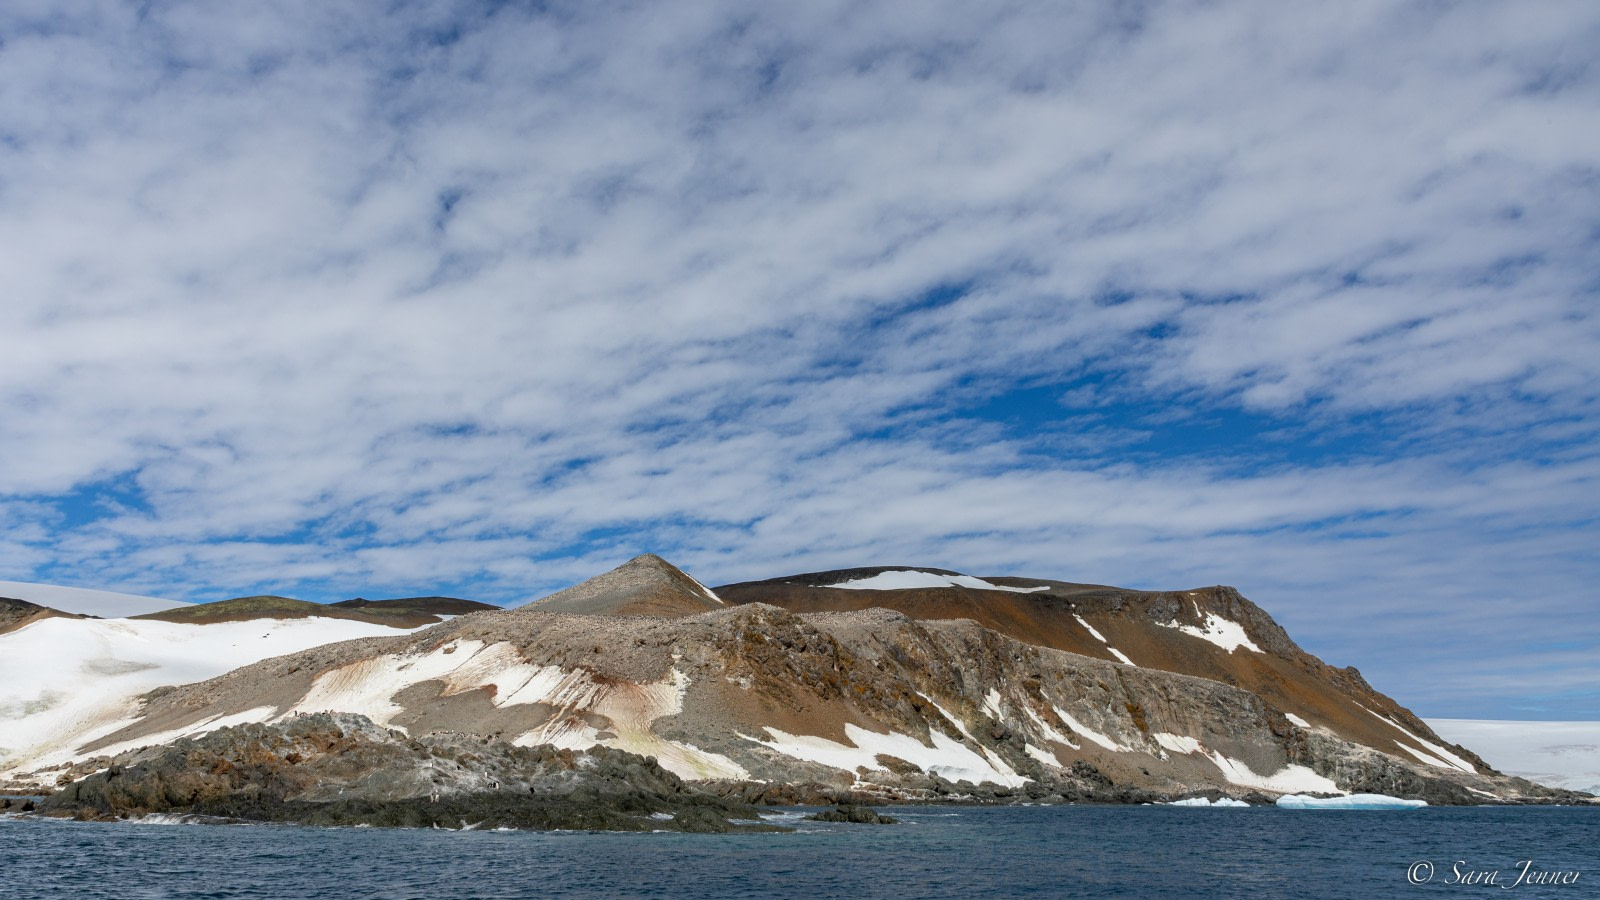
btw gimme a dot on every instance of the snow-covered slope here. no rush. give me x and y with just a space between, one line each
86 602
1558 754
65 681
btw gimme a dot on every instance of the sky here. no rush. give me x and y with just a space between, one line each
482 299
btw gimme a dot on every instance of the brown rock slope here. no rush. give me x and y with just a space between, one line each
871 703
1151 629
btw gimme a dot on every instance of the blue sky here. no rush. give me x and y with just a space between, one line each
483 299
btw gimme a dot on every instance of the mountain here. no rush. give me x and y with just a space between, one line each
645 586
1211 632
85 602
964 698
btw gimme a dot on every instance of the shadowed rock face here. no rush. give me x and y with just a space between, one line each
343 770
644 586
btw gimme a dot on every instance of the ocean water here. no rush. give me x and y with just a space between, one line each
1063 851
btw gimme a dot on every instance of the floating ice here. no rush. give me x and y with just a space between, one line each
1354 801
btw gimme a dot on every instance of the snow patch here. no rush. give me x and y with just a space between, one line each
703 589
1177 743
946 758
1120 655
1049 731
1297 720
1225 633
1424 758
1042 755
950 717
1440 757
1097 635
1354 801
991 705
1289 779
248 717
1086 731
911 578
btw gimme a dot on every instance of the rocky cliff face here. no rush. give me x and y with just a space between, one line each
760 702
1212 633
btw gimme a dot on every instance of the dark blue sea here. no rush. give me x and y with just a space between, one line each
1063 851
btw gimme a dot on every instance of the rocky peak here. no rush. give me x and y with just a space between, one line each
646 585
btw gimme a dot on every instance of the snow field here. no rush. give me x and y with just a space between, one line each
1557 754
66 682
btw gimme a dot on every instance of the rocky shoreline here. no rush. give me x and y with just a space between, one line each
342 770
337 769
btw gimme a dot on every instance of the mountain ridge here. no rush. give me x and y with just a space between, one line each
934 700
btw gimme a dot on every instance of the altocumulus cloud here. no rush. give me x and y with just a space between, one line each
484 298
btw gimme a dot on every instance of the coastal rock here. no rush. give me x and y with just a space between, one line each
859 815
343 770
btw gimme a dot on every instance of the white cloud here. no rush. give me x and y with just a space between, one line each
449 298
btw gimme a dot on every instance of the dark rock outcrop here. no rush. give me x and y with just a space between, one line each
859 815
343 770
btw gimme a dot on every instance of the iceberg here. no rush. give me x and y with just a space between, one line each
1202 801
1354 801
